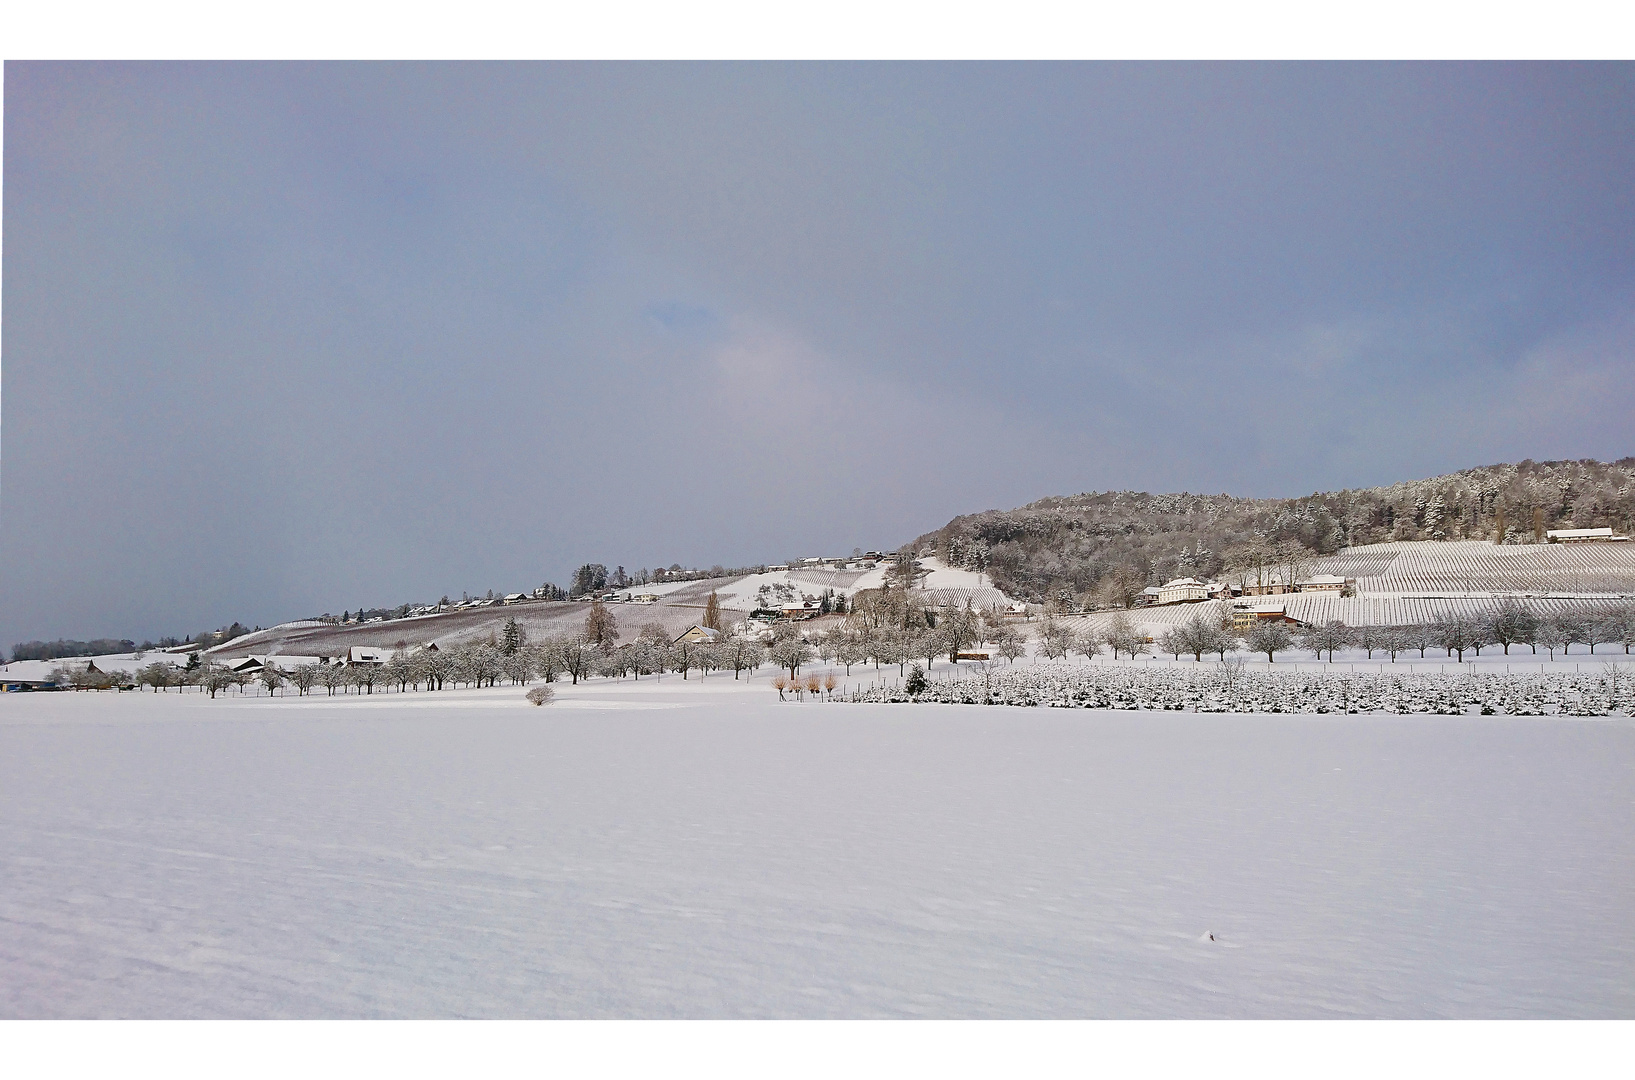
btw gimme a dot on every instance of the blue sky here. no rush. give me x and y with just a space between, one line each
287 338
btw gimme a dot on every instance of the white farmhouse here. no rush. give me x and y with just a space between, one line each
1182 590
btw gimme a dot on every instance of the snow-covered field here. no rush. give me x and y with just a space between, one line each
700 849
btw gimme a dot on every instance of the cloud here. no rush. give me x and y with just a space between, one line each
282 338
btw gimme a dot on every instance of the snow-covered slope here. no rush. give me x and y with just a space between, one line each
946 581
1479 568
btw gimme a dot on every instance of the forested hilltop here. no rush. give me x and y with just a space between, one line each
1095 549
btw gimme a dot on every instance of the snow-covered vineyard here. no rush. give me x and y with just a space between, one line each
1233 688
1478 568
1356 611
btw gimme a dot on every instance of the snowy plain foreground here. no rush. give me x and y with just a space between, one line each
688 849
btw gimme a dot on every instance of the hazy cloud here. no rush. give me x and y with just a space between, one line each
288 338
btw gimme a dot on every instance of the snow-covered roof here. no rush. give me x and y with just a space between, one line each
1582 534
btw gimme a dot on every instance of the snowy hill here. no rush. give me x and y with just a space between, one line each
679 605
1080 544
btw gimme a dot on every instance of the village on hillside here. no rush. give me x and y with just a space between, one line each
897 609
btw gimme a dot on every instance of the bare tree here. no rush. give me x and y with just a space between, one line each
576 656
364 676
958 629
601 628
1328 636
1574 629
928 643
904 570
1455 633
1198 636
156 675
518 666
1055 637
1293 562
1254 561
331 675
790 652
1419 636
683 656
1121 636
1552 635
1222 641
214 677
851 650
743 654
1621 623
1122 588
270 676
1269 636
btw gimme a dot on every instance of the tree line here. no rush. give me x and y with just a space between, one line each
1509 623
65 647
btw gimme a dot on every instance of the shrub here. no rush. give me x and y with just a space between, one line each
541 695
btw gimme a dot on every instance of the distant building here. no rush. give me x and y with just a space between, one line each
1583 536
363 654
806 609
515 598
1182 590
1323 583
1244 618
698 635
1149 595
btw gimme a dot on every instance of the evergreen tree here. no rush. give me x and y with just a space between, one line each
916 680
512 637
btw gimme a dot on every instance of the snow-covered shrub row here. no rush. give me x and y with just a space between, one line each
1227 688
